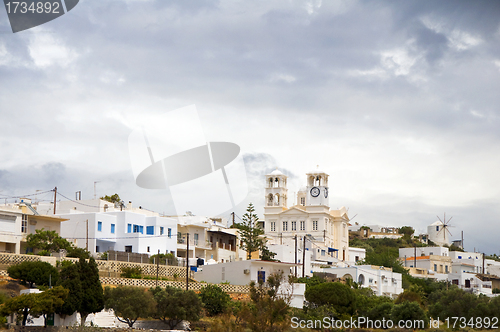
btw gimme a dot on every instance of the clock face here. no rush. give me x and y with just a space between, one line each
314 191
326 192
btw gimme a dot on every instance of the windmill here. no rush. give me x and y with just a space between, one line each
438 231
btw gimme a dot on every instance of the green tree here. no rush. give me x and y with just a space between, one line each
453 303
47 241
336 294
48 302
214 299
409 311
174 305
77 252
92 299
70 279
112 199
268 310
251 234
35 304
407 232
129 303
38 273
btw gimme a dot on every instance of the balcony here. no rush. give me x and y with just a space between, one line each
181 244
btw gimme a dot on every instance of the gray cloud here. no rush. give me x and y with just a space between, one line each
397 101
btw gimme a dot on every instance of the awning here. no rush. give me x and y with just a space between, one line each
332 249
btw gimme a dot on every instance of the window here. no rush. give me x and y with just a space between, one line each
437 228
24 224
99 226
303 201
294 225
161 230
148 248
435 267
285 226
315 225
150 230
273 226
302 225
169 232
323 253
138 229
128 248
446 269
96 248
129 228
112 228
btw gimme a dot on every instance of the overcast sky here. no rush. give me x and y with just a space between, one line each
398 101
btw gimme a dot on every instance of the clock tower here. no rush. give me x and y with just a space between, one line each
317 188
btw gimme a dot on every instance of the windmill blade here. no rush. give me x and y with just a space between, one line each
447 222
449 232
439 219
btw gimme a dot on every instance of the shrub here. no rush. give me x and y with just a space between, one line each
214 299
131 272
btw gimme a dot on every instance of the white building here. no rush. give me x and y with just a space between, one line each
20 219
120 231
470 282
209 239
429 262
244 272
382 280
424 251
286 253
325 230
466 262
356 254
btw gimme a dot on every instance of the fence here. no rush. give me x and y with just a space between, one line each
106 268
196 286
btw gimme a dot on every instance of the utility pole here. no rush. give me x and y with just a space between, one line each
87 246
95 191
483 261
415 256
157 266
233 217
304 258
295 256
187 262
55 198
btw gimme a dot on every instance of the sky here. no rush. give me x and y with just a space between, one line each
396 100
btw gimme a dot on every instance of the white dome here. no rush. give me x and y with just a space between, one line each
276 172
316 171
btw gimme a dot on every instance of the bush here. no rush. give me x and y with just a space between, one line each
165 259
336 294
131 272
214 299
409 311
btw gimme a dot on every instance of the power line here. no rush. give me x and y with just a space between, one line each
29 195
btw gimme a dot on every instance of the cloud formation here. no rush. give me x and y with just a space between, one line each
397 101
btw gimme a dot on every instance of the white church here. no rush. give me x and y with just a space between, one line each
325 229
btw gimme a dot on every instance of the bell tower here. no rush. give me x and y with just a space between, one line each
317 188
276 192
